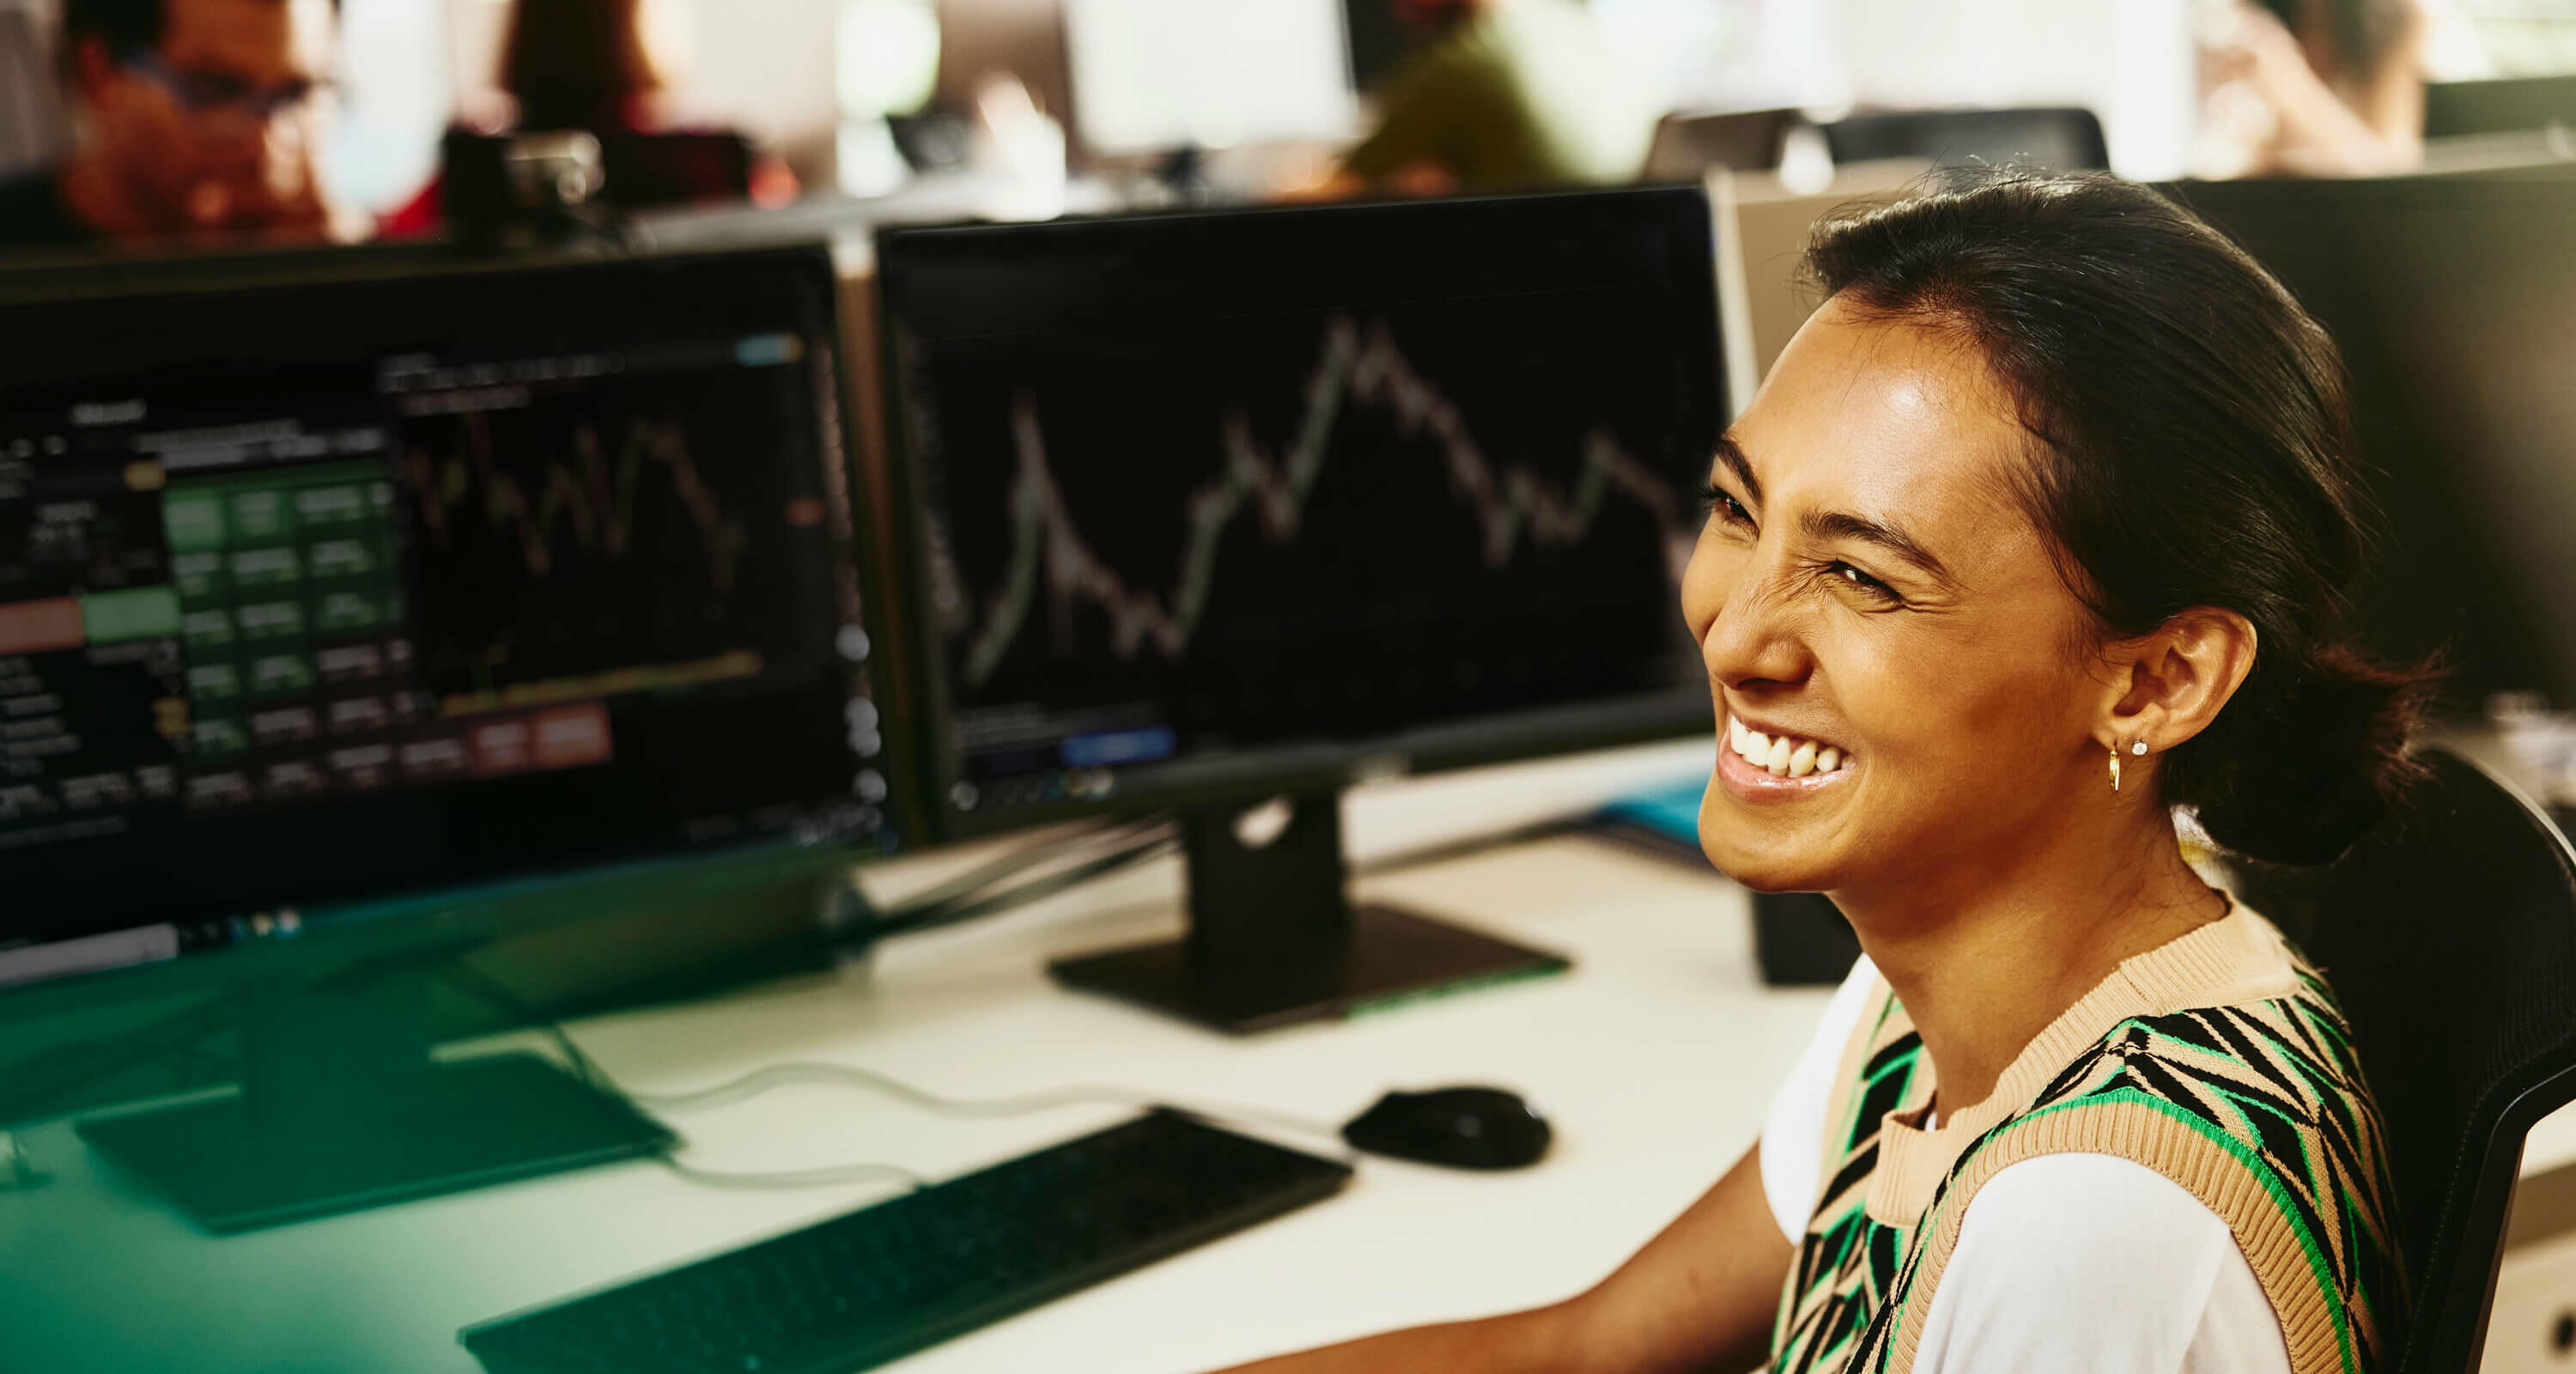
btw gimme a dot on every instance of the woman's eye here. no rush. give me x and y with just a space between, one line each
1714 499
1863 581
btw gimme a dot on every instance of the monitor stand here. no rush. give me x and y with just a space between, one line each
341 1107
1274 939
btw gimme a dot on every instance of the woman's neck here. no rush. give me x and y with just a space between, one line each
1983 964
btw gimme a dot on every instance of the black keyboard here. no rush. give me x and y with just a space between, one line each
877 1284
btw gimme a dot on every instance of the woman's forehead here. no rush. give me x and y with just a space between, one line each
1890 418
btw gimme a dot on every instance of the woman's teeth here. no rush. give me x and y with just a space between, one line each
1786 756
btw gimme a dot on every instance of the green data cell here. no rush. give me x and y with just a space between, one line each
139 613
193 520
261 514
200 576
218 736
209 630
264 622
340 506
274 675
342 558
271 566
337 613
213 683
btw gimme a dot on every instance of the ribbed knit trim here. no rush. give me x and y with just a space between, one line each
2235 959
2165 1142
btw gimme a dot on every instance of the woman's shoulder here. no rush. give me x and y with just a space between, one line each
2054 1256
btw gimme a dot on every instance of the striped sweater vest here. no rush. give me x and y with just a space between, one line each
2218 1060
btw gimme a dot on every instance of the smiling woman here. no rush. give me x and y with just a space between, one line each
2054 480
2035 535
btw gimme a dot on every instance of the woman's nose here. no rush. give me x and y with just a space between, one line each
1755 635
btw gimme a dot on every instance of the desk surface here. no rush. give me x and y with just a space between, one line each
1654 1057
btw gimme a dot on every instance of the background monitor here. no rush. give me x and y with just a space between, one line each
1210 507
1158 75
2449 298
358 610
2456 109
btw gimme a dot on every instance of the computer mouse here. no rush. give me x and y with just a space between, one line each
1464 1128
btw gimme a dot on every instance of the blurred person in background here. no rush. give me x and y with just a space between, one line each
584 64
602 67
193 119
2316 88
1503 94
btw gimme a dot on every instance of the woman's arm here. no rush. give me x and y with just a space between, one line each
1699 1297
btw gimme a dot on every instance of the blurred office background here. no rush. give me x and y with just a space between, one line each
1268 90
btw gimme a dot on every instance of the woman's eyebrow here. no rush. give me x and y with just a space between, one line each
1834 524
1730 455
1823 525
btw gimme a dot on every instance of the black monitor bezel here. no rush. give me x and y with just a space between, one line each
1255 775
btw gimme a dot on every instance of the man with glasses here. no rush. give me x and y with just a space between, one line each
196 120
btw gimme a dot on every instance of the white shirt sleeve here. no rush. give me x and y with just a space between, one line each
2093 1262
1793 1132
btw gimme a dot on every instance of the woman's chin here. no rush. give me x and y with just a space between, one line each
1783 865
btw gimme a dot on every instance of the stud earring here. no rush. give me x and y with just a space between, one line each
2137 748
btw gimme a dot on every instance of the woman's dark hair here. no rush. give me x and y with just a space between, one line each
2194 443
577 64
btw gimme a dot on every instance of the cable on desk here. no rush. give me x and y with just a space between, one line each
798 1178
1442 851
978 881
762 1080
592 1076
907 922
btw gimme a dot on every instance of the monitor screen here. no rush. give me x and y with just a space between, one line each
323 592
1201 502
2449 300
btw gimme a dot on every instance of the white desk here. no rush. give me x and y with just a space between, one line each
1654 1057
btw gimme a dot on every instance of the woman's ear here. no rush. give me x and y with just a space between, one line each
2171 683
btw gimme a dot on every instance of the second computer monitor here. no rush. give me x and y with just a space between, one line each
1209 505
2449 299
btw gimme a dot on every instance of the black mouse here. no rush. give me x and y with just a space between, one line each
1464 1128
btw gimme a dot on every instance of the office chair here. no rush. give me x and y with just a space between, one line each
1687 145
2449 935
2061 140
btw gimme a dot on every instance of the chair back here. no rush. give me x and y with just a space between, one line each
1687 145
2449 936
2060 140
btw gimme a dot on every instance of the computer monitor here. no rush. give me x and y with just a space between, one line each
350 620
2450 299
1155 76
2457 109
1218 507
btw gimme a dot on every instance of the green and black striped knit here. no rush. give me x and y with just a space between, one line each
2219 1061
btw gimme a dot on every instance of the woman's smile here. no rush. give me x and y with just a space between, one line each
1772 765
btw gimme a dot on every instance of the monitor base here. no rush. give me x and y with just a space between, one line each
1391 956
449 1127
